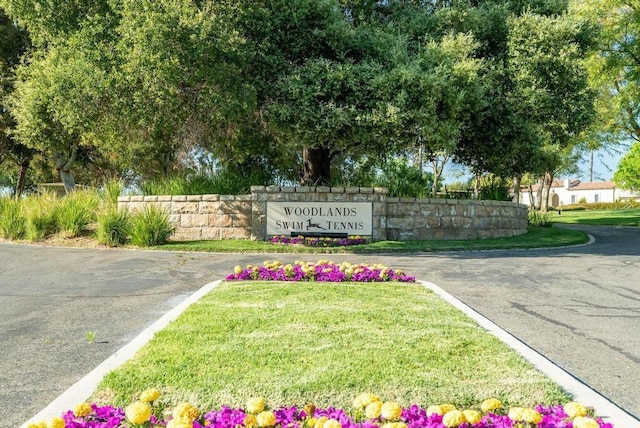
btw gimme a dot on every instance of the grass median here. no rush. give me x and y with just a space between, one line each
536 237
325 343
619 217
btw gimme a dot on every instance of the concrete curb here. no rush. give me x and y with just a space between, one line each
604 407
82 389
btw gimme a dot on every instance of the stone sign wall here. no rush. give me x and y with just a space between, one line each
255 216
351 218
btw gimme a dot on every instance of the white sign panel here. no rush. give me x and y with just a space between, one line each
352 218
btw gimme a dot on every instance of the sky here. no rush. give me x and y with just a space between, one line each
604 166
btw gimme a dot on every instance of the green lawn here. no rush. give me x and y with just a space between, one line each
628 217
326 343
536 237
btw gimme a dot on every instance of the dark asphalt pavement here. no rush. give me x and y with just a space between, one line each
579 306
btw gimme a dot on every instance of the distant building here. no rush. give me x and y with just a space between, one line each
567 192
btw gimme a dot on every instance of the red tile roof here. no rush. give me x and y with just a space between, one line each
599 185
577 185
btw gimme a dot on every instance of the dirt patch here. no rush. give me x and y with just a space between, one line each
86 240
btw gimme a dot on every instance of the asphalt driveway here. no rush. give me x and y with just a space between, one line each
579 306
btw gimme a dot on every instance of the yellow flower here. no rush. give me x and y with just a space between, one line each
373 410
440 410
472 416
391 411
82 410
309 409
447 408
394 425
583 422
573 409
490 404
311 422
532 416
150 395
138 412
56 422
434 410
179 423
41 424
453 418
332 423
363 400
266 419
185 411
320 422
250 421
237 269
516 414
256 405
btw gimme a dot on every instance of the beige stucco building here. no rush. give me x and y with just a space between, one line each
567 192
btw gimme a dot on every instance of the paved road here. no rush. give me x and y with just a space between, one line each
580 307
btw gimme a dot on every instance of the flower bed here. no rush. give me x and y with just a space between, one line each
321 271
369 411
319 241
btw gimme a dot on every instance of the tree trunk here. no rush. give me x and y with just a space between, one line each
476 187
546 190
63 165
516 189
166 160
531 200
438 163
316 166
24 166
436 178
539 193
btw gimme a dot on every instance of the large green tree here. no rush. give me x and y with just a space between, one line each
615 65
14 156
537 94
136 82
315 82
362 79
551 80
627 175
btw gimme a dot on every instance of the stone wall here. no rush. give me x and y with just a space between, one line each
200 216
415 218
244 216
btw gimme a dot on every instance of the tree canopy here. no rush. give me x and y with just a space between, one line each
627 174
301 85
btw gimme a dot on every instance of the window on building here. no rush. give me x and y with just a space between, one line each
573 199
596 198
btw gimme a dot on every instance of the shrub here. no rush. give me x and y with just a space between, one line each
113 227
226 182
150 227
12 219
75 212
618 205
540 219
41 217
110 192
